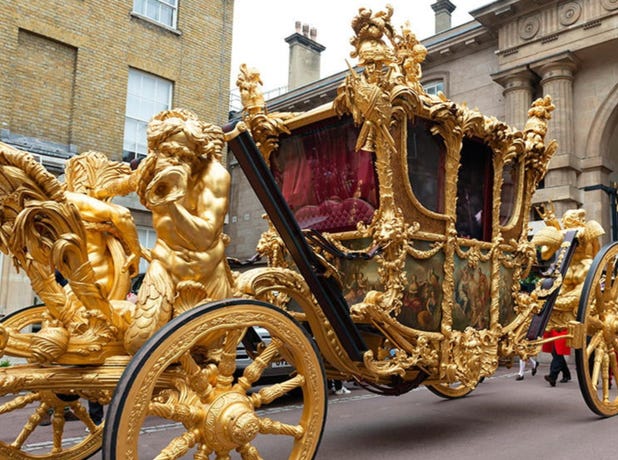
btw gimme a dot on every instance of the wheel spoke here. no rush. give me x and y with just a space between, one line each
227 365
606 377
596 369
594 343
249 452
611 287
268 394
58 423
178 446
200 379
254 371
269 426
187 415
33 421
203 452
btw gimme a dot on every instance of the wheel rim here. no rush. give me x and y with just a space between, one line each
29 409
596 354
25 317
450 390
185 374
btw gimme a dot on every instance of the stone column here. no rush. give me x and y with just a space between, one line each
518 92
557 75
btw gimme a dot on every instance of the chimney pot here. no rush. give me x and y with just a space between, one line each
443 10
297 26
305 53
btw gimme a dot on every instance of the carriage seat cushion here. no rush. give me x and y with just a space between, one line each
335 215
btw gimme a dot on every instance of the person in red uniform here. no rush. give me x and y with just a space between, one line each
558 349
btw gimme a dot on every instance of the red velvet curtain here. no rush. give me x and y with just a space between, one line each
319 173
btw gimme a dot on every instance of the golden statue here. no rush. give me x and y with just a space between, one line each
86 177
184 184
550 238
251 96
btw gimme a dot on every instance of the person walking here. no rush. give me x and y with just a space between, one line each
522 367
337 387
558 349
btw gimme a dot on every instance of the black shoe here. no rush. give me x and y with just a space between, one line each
519 377
70 416
534 368
551 380
565 379
45 420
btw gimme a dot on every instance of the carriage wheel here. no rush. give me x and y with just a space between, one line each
181 393
25 317
450 390
30 410
595 357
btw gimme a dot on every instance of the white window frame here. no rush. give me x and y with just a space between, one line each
147 95
434 86
147 239
155 10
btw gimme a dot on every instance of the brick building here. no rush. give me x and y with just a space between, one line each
79 75
511 53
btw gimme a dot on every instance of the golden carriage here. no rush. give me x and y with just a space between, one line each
397 245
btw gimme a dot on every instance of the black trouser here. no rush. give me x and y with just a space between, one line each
95 410
558 364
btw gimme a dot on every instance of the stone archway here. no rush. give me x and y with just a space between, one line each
600 164
603 133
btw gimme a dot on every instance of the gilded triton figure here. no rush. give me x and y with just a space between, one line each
184 184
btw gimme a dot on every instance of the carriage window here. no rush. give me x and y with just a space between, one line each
426 165
474 189
328 185
510 181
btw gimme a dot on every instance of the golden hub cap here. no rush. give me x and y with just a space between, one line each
231 422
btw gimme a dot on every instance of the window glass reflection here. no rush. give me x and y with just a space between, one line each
510 181
425 156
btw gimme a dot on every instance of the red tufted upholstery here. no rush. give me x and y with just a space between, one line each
335 215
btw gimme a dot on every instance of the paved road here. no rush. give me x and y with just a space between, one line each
502 419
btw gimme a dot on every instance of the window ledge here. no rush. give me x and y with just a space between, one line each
155 23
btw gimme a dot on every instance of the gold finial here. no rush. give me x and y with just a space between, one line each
249 82
370 31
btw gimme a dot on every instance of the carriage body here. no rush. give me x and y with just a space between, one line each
419 208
